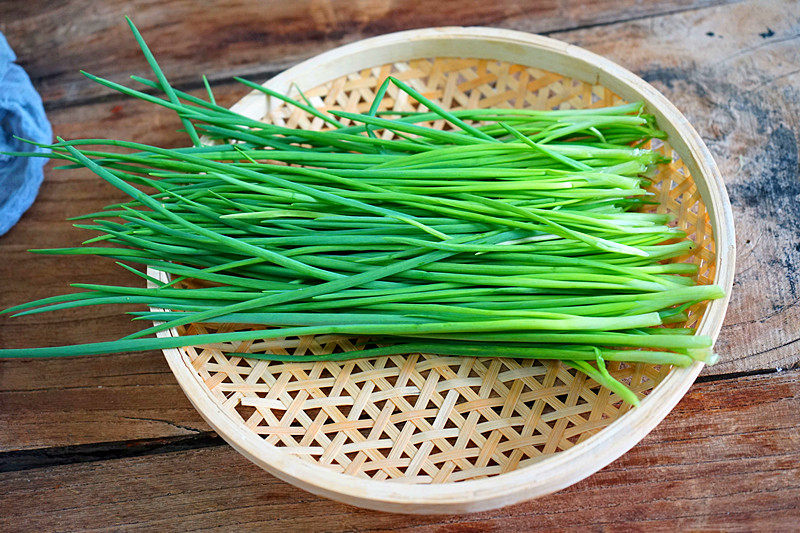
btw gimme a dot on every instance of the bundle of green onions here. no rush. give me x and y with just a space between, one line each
512 233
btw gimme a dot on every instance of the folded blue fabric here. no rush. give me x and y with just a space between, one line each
21 114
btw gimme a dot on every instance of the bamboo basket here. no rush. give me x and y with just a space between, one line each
428 434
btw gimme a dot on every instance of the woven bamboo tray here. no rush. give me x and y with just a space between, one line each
430 434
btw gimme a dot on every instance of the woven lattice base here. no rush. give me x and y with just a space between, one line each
423 418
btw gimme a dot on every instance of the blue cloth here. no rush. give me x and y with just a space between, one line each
21 114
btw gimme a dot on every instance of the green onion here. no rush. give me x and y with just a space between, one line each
513 233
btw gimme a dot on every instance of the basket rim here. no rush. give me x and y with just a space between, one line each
561 469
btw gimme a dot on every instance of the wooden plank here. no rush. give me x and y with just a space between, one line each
92 399
191 38
727 457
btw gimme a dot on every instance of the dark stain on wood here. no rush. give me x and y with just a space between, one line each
767 34
775 192
764 193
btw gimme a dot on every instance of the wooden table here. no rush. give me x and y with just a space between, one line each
111 442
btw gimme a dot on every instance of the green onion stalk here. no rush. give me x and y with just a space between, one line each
510 233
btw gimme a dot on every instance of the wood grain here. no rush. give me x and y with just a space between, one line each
55 40
728 457
753 134
60 403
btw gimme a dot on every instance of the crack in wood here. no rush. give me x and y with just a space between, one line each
17 460
162 421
